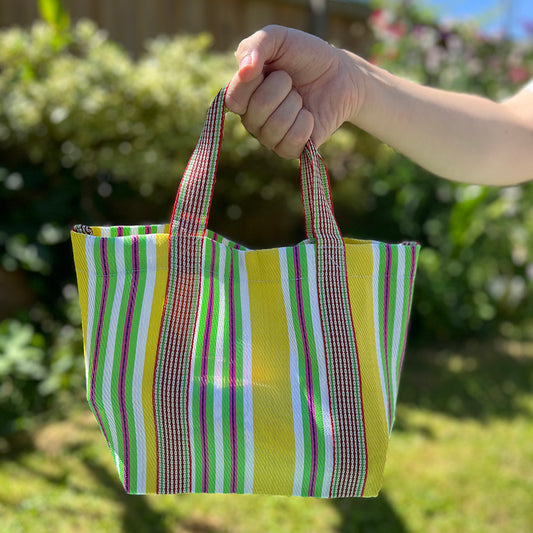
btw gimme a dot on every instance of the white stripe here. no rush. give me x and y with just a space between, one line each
218 378
377 321
105 231
299 446
398 322
322 370
91 297
248 404
108 391
134 230
138 368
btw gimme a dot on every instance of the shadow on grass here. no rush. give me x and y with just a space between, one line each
137 515
369 515
479 380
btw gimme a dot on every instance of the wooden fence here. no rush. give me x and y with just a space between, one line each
131 22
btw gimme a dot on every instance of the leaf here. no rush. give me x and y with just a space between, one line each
53 12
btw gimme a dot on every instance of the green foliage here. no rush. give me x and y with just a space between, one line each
476 264
54 13
21 369
89 135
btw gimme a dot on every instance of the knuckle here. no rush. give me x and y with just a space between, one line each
250 126
268 136
282 78
294 142
235 105
297 97
286 152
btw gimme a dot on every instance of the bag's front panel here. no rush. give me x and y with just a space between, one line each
123 285
240 423
313 424
380 278
220 415
291 403
394 274
361 272
260 414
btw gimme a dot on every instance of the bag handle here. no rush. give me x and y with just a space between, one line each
193 200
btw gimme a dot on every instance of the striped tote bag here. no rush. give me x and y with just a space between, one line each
214 368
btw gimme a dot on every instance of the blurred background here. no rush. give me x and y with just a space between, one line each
101 104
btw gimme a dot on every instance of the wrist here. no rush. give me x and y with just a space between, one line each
356 73
366 83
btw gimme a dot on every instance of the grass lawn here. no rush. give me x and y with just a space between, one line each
460 460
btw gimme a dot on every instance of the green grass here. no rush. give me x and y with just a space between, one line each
460 460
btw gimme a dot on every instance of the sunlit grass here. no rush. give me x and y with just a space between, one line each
460 460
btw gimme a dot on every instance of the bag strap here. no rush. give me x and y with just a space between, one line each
193 200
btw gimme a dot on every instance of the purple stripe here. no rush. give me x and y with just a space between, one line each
308 372
232 379
386 298
203 378
124 358
105 291
120 231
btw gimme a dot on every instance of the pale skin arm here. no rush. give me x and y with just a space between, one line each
291 86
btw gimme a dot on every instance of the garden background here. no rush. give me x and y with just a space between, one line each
90 134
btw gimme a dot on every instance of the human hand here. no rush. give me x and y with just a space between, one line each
291 86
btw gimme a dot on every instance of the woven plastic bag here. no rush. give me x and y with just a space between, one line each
214 368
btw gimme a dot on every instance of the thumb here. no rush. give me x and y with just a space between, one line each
260 48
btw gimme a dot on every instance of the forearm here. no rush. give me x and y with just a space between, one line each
457 136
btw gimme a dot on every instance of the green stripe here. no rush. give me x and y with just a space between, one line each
118 349
392 320
306 427
106 339
381 298
226 428
239 375
197 375
135 325
210 427
317 398
97 378
130 363
406 250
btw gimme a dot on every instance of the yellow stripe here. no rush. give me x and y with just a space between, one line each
272 414
80 262
150 357
359 261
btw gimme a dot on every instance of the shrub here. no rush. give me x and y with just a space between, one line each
88 135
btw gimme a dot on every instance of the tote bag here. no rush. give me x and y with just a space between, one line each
214 368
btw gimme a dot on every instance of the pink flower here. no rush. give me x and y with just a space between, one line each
518 74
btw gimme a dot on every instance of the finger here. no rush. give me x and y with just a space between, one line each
266 99
281 120
239 93
293 143
260 48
